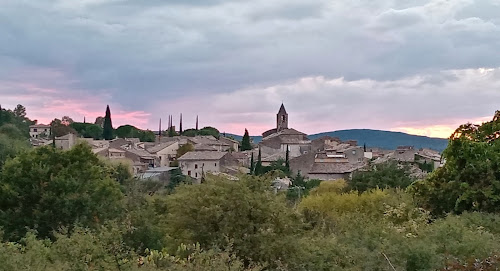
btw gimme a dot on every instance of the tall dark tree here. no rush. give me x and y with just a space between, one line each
180 126
258 166
245 142
287 159
251 165
196 122
107 132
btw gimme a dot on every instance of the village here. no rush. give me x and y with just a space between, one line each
324 158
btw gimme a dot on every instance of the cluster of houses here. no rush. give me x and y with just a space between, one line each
325 158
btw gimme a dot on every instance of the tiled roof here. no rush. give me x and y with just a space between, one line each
40 126
333 168
160 147
202 155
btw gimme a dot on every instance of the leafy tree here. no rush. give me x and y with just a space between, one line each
107 132
129 131
245 142
20 111
87 130
190 132
184 149
470 178
46 189
177 178
60 129
67 120
385 175
244 214
209 131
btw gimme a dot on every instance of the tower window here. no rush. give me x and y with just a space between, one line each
283 118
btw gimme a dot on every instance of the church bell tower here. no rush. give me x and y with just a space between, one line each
281 119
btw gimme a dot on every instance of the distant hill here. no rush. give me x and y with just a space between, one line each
376 138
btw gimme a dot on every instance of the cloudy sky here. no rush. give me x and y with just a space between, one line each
417 66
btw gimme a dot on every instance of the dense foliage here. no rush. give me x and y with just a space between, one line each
129 131
87 130
46 189
384 175
470 178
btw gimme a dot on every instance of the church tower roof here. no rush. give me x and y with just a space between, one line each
282 109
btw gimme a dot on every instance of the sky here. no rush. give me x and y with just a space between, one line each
417 66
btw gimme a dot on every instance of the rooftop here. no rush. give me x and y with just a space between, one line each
202 155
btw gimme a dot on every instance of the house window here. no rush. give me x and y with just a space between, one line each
35 130
202 165
45 130
215 164
195 166
196 175
189 173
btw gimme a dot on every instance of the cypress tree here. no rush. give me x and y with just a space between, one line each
287 159
251 165
107 131
245 142
180 126
258 166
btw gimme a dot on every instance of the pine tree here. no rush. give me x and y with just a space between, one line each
258 166
196 122
364 147
107 132
251 165
245 142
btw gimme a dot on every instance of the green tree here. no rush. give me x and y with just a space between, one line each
252 165
209 131
244 214
20 111
60 129
385 175
184 149
258 166
470 179
245 142
46 189
107 132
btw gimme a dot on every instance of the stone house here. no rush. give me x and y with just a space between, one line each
196 163
165 152
39 131
405 154
234 145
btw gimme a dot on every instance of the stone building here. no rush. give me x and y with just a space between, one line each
283 138
195 163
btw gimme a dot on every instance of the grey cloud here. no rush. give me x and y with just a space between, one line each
177 50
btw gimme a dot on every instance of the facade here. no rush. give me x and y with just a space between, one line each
405 154
39 131
165 152
234 145
196 163
66 142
